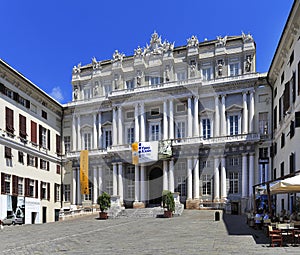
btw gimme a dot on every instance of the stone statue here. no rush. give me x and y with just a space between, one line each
95 64
117 56
75 94
139 78
76 69
138 52
247 37
220 67
193 41
96 92
221 41
248 64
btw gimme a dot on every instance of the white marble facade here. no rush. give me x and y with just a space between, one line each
206 97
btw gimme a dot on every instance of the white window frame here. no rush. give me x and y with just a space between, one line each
87 141
232 114
130 134
181 126
206 185
181 75
67 192
180 178
107 141
207 72
130 182
154 80
234 68
178 106
156 136
67 143
130 84
234 182
87 93
20 186
109 181
205 133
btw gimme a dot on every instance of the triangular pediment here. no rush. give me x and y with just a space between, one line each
234 108
207 111
106 123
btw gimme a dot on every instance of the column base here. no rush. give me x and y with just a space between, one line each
138 205
192 204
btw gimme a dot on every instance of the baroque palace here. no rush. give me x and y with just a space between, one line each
204 100
195 119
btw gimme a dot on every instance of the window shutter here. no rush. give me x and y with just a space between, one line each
48 191
2 183
36 162
16 97
22 126
41 189
48 165
33 132
14 185
55 188
27 188
9 118
49 139
36 189
7 152
28 158
2 88
40 135
27 104
58 144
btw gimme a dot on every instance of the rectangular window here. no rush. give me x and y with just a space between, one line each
108 140
44 164
180 129
181 76
129 183
20 186
292 163
9 119
33 132
206 185
180 178
7 182
206 74
234 69
154 132
87 93
87 141
58 169
234 124
130 84
21 157
67 192
292 129
233 161
297 119
58 144
155 80
282 169
130 115
22 126
130 135
298 78
263 153
180 108
42 137
293 82
56 192
67 142
282 77
282 140
280 109
206 128
7 153
286 98
233 183
44 114
263 123
291 58
275 117
43 190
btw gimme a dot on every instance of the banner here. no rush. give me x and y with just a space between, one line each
144 152
84 172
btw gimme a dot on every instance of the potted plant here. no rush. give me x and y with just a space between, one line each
104 202
168 203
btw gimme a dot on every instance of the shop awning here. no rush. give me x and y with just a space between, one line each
288 185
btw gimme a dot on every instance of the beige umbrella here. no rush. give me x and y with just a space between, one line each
288 185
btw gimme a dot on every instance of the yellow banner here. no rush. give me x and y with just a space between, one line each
135 153
84 172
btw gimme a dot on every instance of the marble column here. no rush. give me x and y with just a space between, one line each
245 114
136 183
78 134
74 187
120 126
95 138
165 121
74 133
223 179
136 123
223 116
190 118
114 127
143 124
217 118
171 121
171 175
165 175
244 175
196 116
143 183
78 187
216 179
100 182
251 113
100 130
251 173
196 178
115 181
95 185
120 182
189 179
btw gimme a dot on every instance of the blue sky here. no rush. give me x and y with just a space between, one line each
43 40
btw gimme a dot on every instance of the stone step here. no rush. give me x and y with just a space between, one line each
141 213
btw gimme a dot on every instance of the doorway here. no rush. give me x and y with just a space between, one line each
155 186
44 214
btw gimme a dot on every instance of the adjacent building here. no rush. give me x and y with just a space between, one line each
203 101
283 76
30 149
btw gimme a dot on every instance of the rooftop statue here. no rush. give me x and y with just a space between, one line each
76 69
193 41
95 63
247 38
221 41
117 56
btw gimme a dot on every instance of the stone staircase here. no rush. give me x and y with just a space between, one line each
140 213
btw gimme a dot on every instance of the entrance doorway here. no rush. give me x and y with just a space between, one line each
155 186
44 214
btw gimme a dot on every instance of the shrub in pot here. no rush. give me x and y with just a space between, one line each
168 203
104 202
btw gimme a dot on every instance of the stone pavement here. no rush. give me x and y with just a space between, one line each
194 232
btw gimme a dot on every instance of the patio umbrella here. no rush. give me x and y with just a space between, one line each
288 185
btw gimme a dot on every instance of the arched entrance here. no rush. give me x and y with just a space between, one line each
155 186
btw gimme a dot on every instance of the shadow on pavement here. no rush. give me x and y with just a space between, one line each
237 225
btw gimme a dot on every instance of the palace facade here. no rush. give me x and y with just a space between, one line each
205 99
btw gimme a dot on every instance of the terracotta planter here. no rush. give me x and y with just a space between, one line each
168 214
103 216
